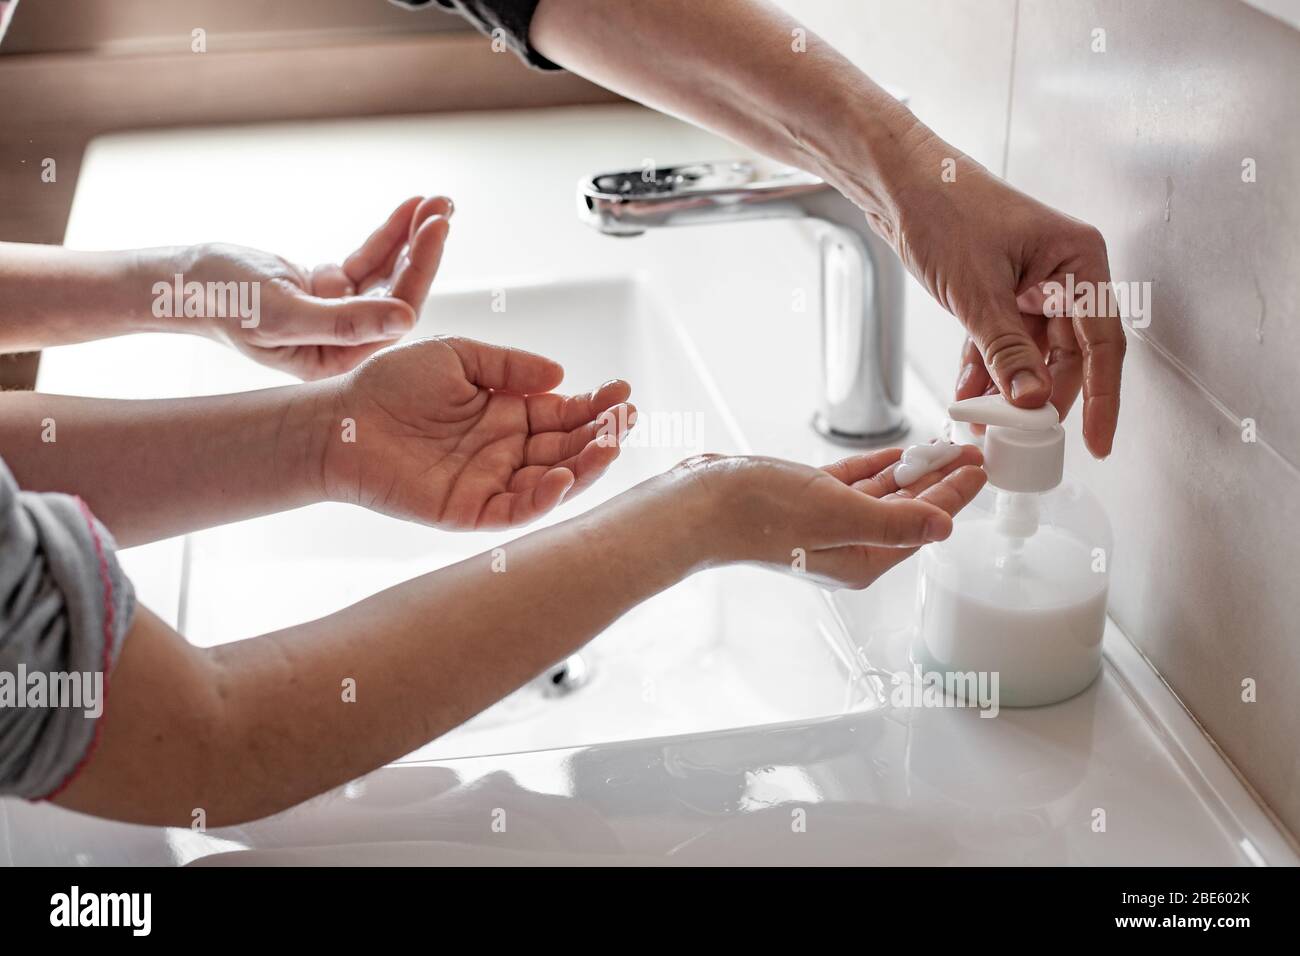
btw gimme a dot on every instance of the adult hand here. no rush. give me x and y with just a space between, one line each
985 251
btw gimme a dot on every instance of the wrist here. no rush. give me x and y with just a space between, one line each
309 422
881 157
665 526
156 280
701 501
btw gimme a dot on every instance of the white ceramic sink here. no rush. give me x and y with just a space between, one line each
730 648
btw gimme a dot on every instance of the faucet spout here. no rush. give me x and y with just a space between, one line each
861 281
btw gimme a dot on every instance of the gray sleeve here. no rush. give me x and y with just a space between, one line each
65 606
511 17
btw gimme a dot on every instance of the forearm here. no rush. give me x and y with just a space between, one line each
153 469
55 296
731 66
252 728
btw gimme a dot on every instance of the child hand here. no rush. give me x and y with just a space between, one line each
467 436
845 524
327 321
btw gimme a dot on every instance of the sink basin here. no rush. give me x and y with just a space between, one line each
736 647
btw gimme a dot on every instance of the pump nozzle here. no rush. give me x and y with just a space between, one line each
996 410
1024 448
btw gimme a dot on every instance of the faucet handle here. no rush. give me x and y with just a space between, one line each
626 203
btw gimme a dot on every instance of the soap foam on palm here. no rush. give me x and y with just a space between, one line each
920 460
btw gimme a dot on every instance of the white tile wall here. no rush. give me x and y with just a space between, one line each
1147 141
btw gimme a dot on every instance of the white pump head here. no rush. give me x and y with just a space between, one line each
1024 448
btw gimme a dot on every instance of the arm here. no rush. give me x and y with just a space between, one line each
310 323
444 431
980 247
251 728
153 469
54 296
730 66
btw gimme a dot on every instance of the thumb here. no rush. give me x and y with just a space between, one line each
506 369
353 320
897 522
1013 360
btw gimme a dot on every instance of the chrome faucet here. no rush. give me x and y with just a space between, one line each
861 277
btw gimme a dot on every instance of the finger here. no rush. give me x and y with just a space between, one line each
1103 343
956 490
1033 300
428 209
505 369
416 270
550 412
973 378
953 492
354 320
1012 359
591 463
587 465
551 448
379 252
857 467
597 454
1065 362
852 518
885 483
528 476
511 508
330 282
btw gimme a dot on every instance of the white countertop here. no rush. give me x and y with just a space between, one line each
905 786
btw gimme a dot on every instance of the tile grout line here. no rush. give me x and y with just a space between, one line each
1011 89
1178 366
1217 403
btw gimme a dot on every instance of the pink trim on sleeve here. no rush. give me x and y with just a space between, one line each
107 580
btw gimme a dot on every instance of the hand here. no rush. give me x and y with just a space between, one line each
985 250
327 321
467 436
850 519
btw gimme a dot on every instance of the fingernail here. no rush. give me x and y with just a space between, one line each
964 376
1023 383
394 324
936 529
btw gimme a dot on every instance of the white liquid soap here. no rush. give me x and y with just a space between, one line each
919 460
1019 588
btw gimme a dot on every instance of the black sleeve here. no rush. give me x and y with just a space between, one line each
508 19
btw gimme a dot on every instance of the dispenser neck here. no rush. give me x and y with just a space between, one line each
1015 514
1020 460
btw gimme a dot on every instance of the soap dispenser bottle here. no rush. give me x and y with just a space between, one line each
1019 587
